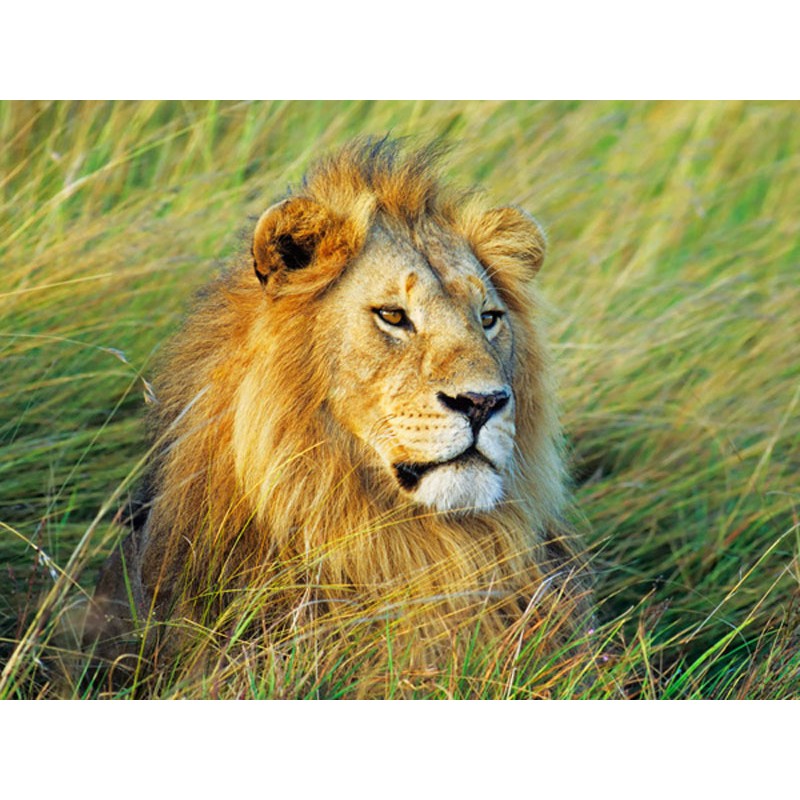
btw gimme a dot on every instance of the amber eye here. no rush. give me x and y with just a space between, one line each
489 319
392 316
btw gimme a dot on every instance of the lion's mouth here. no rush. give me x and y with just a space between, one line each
409 475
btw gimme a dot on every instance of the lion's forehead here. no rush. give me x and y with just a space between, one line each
433 273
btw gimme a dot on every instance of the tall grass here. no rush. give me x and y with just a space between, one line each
673 273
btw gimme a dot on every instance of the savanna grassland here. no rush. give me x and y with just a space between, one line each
674 278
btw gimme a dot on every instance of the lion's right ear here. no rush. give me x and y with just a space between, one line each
300 242
287 236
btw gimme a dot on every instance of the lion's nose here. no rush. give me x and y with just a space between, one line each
475 406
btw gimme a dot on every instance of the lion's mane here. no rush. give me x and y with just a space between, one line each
254 488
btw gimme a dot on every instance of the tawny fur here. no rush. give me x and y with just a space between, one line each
257 484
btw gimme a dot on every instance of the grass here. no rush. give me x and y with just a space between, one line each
673 274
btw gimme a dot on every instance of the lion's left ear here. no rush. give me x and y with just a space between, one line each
508 241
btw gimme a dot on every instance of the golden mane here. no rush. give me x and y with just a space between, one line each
255 486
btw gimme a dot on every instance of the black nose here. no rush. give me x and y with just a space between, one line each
476 407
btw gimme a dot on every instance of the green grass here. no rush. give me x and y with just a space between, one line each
673 272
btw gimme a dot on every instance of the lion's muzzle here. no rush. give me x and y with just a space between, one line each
476 406
473 476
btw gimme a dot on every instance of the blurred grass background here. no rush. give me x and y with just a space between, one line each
673 274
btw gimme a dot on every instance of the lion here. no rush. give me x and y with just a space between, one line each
361 416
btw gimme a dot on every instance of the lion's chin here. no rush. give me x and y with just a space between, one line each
460 487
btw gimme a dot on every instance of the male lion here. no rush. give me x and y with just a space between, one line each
368 422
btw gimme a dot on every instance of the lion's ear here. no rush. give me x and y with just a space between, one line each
508 241
287 236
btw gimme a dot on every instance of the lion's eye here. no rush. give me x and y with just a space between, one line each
489 319
392 316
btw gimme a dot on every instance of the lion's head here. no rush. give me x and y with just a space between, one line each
418 348
412 334
376 401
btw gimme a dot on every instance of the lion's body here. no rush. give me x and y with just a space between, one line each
371 423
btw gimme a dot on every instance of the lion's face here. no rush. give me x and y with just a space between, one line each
408 343
419 345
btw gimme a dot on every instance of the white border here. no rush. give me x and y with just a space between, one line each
461 749
415 49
